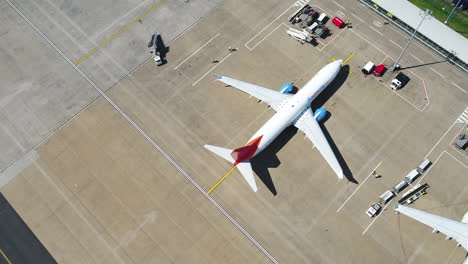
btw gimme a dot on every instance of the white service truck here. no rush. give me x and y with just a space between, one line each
400 80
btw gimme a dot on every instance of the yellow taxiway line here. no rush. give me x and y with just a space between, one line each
4 256
221 180
119 32
344 62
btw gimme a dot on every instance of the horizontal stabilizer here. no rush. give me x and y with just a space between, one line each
245 169
222 152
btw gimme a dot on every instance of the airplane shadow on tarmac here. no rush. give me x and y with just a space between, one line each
319 102
268 158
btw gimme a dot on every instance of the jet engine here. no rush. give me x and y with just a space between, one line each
320 114
286 88
465 218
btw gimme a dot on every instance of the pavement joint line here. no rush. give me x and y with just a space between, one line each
338 4
375 219
358 18
459 87
378 32
352 194
196 51
396 44
416 58
217 64
440 74
120 31
153 143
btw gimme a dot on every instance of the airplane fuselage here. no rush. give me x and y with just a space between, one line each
293 107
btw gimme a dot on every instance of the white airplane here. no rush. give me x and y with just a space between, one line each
291 109
451 228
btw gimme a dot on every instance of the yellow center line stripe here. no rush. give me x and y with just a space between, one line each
221 180
6 258
344 62
120 31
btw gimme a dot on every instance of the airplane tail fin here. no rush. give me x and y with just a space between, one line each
244 167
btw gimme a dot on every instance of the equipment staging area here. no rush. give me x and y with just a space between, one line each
102 150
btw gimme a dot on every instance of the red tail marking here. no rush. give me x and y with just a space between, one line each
246 152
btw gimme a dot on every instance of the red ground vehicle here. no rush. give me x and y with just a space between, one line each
379 70
338 22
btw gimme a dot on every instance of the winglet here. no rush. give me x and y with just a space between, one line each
217 76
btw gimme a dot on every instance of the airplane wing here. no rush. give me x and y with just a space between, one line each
271 97
451 228
307 124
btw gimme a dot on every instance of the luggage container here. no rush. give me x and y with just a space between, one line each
400 186
423 166
412 176
386 197
338 22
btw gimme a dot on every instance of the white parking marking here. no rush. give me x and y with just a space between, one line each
377 23
463 118
338 4
376 31
432 166
360 185
440 74
148 138
463 90
416 58
358 18
287 9
217 64
375 219
396 44
197 51
282 24
440 139
340 14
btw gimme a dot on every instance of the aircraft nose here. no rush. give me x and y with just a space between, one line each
340 61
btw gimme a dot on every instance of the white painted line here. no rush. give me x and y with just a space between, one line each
440 139
376 31
375 219
217 64
148 138
197 51
358 18
330 41
463 90
367 41
426 172
396 44
267 27
463 164
440 74
416 58
338 4
360 185
377 23
269 35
